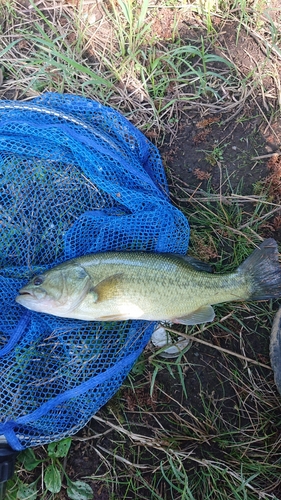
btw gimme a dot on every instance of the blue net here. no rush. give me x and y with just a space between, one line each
76 177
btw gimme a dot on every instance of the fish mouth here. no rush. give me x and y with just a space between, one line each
23 293
23 297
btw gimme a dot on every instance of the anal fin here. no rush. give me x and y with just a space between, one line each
204 314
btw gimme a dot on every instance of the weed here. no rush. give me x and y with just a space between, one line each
131 67
53 472
132 32
215 155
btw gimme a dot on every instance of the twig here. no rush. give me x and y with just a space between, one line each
265 216
270 155
222 349
122 459
138 438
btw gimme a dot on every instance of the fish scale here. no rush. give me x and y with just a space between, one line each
117 286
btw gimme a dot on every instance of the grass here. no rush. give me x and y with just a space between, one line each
124 62
204 426
53 472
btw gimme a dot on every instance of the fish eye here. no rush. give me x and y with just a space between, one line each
38 280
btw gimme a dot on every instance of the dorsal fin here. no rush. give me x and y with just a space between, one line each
197 264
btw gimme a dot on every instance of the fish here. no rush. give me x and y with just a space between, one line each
120 286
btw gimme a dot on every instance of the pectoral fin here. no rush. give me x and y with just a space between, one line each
204 314
108 288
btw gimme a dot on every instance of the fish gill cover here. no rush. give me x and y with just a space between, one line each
75 177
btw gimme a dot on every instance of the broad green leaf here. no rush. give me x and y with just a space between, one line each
12 488
79 490
27 491
29 460
59 449
52 479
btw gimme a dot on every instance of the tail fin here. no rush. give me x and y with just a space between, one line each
264 271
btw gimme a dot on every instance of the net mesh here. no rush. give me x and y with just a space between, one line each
76 177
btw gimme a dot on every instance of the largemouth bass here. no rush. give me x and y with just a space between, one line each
117 286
